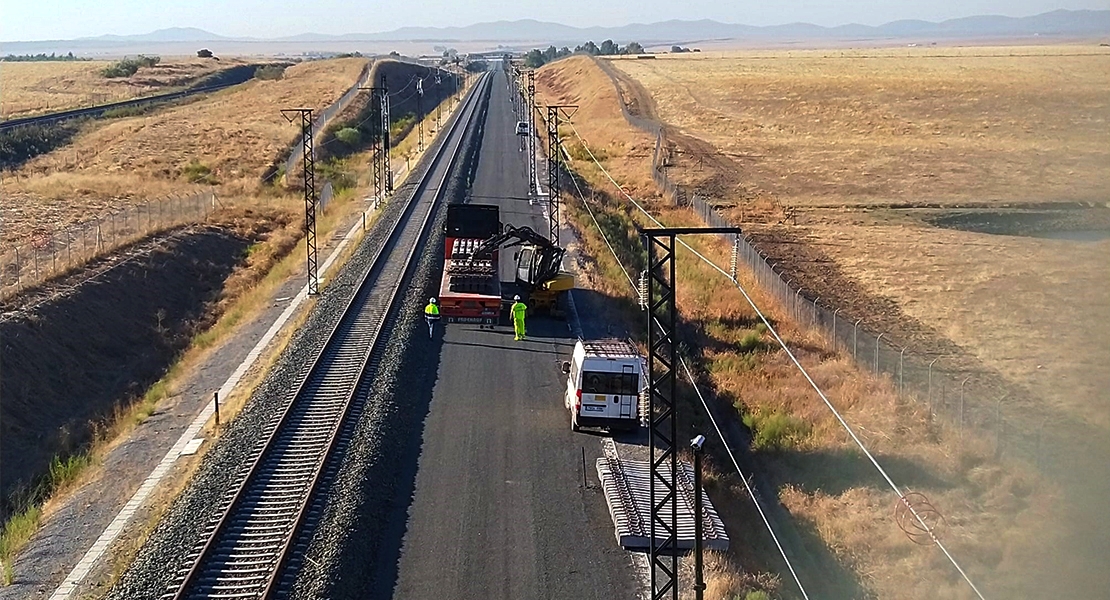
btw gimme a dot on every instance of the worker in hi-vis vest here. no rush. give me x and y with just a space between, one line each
431 315
518 311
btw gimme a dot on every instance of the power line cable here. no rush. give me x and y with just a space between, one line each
712 419
798 364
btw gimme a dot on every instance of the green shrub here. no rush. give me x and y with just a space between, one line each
197 172
337 173
757 595
21 144
270 72
775 430
751 342
401 126
129 66
349 136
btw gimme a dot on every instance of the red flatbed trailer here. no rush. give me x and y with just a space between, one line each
470 292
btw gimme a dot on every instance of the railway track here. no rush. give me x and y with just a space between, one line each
96 111
246 551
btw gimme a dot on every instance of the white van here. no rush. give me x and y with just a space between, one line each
522 128
605 379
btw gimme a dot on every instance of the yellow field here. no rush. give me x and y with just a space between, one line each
920 126
906 125
235 133
29 88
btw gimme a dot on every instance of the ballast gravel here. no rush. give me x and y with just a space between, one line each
366 484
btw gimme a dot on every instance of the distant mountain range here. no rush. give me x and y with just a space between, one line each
1055 23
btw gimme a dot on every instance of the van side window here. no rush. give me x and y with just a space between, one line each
624 384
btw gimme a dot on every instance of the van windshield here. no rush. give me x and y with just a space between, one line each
624 384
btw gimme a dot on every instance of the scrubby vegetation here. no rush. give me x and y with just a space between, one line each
272 72
198 172
129 66
21 144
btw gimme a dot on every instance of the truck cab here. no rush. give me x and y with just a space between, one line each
605 379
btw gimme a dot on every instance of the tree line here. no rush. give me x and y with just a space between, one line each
537 58
43 57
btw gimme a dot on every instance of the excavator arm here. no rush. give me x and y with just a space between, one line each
546 258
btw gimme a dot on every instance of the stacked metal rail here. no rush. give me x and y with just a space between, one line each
243 553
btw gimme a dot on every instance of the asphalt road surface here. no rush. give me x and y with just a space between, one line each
500 510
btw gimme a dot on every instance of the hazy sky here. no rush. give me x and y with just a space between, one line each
64 19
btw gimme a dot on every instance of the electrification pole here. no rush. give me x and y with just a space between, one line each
662 393
554 143
387 170
309 162
420 113
531 119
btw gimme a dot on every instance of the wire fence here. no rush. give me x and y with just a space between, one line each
326 196
975 401
325 116
53 252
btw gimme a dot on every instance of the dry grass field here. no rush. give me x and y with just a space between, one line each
29 88
1001 518
903 125
234 133
926 126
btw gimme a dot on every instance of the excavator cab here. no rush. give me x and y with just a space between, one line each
538 271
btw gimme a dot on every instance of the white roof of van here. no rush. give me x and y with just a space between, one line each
610 348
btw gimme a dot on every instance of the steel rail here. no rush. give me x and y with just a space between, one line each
245 551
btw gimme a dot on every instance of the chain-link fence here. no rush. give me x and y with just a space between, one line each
976 401
326 196
966 395
323 117
53 252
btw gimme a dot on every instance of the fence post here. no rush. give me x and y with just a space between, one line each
961 421
69 252
99 238
838 309
35 253
18 268
998 426
877 340
814 320
901 374
855 340
1037 455
930 388
53 256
